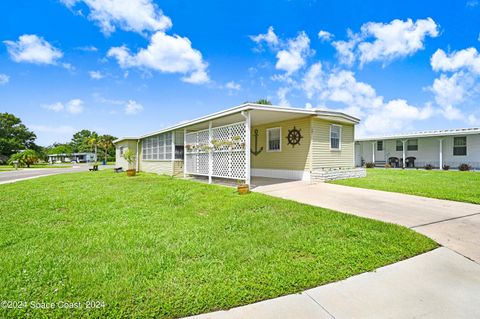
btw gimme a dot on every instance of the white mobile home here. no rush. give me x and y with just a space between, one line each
251 140
437 148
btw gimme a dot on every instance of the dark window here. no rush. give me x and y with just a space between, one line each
379 145
179 152
460 146
412 145
335 136
121 150
399 146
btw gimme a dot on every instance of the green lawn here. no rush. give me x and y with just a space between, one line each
452 185
157 247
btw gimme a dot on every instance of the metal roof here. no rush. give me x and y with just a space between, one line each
447 132
246 107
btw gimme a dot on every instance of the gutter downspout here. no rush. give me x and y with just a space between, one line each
138 160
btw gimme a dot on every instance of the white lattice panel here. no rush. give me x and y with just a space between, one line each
228 158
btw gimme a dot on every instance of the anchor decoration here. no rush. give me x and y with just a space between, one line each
256 151
294 136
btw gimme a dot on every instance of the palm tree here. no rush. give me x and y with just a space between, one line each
106 143
93 141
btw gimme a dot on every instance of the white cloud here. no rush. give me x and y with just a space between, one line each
270 38
168 54
342 89
313 80
466 59
385 41
458 88
128 15
324 35
33 49
471 3
132 107
293 57
233 86
4 79
282 96
88 48
74 106
96 75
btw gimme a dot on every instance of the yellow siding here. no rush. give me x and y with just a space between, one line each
322 156
178 168
289 158
127 144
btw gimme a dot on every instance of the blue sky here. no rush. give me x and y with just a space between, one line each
129 67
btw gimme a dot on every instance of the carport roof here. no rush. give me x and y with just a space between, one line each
438 133
325 114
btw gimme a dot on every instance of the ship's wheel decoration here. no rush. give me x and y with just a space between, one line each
294 136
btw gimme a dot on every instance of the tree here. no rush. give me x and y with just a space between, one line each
14 136
93 141
106 143
261 101
80 141
59 148
28 157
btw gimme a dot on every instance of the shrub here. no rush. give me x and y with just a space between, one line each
446 167
370 165
130 157
464 167
25 158
429 167
388 166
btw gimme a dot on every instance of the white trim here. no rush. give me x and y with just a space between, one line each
267 141
452 132
248 124
281 173
258 107
339 138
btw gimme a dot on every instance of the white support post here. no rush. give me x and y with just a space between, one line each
210 153
404 144
173 154
247 147
137 159
184 153
440 153
373 153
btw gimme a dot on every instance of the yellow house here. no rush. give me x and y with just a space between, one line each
251 140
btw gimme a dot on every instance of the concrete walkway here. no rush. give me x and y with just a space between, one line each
443 283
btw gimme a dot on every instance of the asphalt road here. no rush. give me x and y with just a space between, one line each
11 176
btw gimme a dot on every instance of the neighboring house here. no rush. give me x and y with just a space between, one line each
437 148
67 158
251 140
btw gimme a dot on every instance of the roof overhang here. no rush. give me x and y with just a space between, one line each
261 114
437 133
126 138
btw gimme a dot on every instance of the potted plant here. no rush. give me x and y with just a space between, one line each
130 157
242 188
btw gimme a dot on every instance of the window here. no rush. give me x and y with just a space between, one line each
399 146
158 147
379 145
121 150
335 137
460 146
412 145
274 139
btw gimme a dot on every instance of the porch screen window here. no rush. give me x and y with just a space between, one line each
379 145
158 147
460 146
335 136
399 147
274 139
412 145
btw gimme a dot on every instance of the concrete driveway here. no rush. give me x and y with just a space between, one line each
443 283
23 174
454 225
